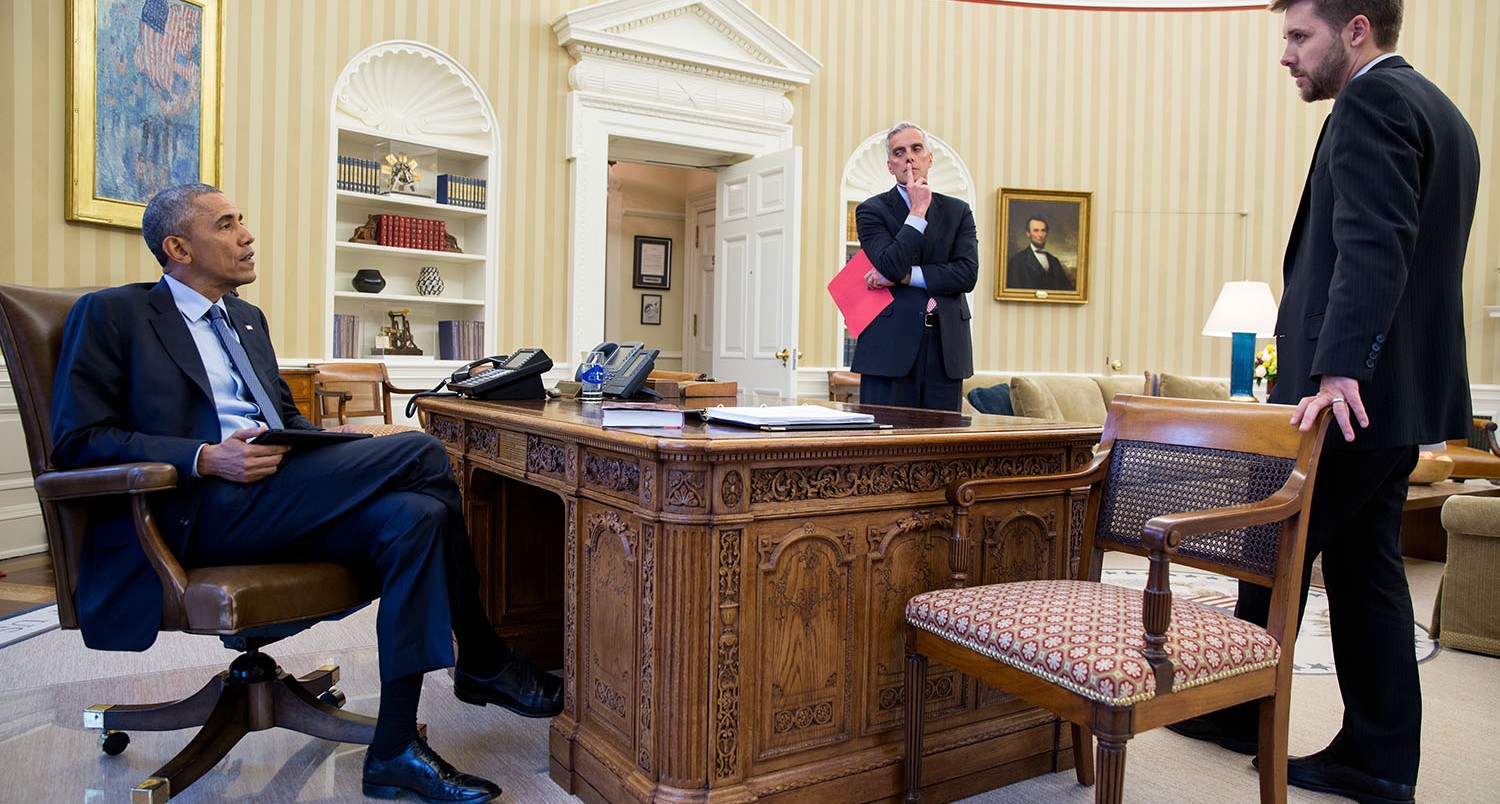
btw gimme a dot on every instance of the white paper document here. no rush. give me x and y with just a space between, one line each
786 416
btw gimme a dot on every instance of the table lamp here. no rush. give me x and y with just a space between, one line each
1244 311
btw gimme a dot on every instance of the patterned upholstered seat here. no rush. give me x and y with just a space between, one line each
1088 637
1217 486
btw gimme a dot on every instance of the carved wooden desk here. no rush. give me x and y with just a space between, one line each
728 605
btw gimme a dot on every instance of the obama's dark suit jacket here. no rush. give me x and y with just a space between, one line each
131 387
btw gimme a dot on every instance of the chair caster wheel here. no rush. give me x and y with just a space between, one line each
113 742
333 697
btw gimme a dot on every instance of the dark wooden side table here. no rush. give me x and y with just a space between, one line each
1422 534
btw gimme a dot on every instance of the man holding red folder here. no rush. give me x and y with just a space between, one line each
923 247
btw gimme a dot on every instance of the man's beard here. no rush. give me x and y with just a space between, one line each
1326 78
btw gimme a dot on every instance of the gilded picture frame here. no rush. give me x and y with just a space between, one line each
144 97
1059 271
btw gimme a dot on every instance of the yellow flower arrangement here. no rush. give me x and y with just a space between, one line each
1265 365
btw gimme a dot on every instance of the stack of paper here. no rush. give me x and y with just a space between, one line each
641 414
790 417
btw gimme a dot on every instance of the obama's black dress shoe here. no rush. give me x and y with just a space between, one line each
418 770
1326 774
1205 729
519 687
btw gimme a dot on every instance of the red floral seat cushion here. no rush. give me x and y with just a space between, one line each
1087 637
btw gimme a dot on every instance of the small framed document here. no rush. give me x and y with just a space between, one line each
653 262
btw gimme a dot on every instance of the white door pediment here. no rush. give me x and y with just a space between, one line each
722 38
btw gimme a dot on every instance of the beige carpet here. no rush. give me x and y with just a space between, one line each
46 680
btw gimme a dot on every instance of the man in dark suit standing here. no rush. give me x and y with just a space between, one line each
1371 325
183 371
923 246
1033 267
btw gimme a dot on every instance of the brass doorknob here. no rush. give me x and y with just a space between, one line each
785 353
1116 365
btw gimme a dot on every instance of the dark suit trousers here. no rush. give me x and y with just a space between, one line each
927 385
389 506
1356 526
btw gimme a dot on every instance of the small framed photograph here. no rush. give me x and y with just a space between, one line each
653 262
650 308
1044 246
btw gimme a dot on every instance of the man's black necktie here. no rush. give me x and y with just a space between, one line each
242 365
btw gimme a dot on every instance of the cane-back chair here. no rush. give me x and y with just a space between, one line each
1217 486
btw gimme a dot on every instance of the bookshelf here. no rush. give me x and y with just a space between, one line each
384 105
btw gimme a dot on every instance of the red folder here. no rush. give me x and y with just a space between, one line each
858 303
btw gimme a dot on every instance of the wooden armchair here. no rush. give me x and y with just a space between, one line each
1218 486
246 606
345 391
843 386
1478 456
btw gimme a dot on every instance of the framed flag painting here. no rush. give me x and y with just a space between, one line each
143 96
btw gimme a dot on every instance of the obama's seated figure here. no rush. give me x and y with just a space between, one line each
182 371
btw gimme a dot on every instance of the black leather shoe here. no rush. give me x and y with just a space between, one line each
420 771
1326 774
1203 728
519 687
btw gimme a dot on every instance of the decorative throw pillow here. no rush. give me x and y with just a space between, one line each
994 399
1109 386
1078 399
1031 398
1188 388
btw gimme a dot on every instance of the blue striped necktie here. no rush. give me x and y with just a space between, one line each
242 365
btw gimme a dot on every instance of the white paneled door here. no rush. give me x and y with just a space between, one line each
756 276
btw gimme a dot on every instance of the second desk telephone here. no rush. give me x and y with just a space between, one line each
517 376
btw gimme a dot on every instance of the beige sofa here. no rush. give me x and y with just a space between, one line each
1085 398
1466 614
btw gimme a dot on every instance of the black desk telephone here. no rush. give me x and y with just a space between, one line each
517 376
625 368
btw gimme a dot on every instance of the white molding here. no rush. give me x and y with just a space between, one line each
657 214
715 97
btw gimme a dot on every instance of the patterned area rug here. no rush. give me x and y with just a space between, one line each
1314 654
28 624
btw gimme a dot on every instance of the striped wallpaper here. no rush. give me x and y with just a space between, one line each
1182 125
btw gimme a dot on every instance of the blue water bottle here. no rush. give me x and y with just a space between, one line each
592 377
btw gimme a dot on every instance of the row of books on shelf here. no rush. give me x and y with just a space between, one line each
346 342
363 176
460 340
460 191
404 231
359 175
457 340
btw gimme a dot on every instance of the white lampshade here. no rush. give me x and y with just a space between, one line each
1243 307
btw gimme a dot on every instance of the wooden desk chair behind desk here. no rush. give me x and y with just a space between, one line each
843 386
344 391
1219 486
246 606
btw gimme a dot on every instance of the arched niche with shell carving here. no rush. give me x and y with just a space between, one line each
866 174
411 178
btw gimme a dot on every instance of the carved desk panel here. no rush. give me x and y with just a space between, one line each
727 605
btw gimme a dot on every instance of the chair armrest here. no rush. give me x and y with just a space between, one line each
126 478
1165 533
341 397
965 493
398 390
137 480
1488 427
1472 516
